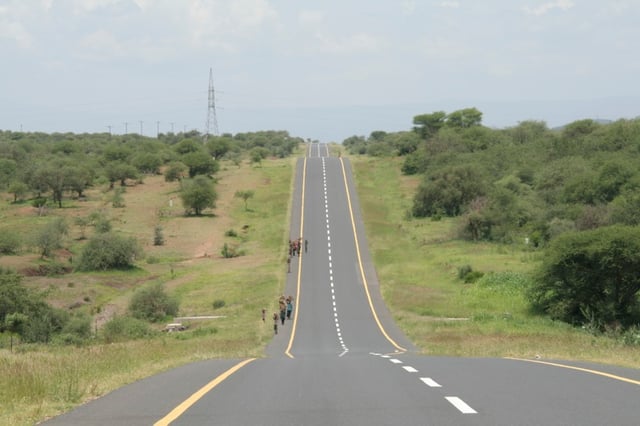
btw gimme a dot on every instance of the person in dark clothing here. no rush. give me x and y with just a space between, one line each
275 323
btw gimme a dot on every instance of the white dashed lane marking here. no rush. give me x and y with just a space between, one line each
331 284
430 382
458 403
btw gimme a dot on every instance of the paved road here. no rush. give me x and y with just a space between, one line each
342 361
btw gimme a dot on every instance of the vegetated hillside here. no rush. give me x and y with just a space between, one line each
88 219
529 184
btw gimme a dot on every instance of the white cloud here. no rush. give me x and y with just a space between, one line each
11 28
361 42
546 7
226 22
450 3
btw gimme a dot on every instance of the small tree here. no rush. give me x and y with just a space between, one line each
158 237
9 242
82 223
49 237
118 200
19 189
109 251
153 304
245 195
175 171
15 323
198 194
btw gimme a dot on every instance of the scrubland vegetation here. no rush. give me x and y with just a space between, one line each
518 242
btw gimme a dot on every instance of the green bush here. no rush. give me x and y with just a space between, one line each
153 304
590 278
109 251
9 242
218 303
124 328
229 251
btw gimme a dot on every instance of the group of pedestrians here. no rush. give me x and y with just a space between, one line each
286 308
295 249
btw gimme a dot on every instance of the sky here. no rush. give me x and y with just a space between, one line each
321 70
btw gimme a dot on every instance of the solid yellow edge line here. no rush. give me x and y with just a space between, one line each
180 409
295 311
364 279
585 370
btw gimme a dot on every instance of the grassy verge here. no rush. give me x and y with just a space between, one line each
37 382
418 263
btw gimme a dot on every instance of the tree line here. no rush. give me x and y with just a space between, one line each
572 192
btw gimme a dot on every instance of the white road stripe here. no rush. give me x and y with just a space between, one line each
410 369
395 361
460 405
430 382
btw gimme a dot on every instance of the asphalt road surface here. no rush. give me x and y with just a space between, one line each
340 360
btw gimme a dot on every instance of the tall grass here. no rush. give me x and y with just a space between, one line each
418 263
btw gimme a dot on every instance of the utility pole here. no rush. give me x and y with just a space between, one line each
157 129
212 121
125 127
172 123
109 127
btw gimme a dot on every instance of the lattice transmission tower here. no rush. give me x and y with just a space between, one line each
212 120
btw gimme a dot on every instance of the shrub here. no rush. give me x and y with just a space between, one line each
158 236
463 271
9 242
124 328
231 233
229 251
153 304
590 277
109 251
218 303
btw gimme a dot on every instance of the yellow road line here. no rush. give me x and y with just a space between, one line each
180 409
295 312
364 279
585 370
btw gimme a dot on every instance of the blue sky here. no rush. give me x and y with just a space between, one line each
323 70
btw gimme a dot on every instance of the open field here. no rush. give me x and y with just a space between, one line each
417 263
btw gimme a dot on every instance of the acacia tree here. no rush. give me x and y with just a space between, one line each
245 195
591 277
198 194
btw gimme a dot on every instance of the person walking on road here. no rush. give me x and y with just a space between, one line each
275 323
289 307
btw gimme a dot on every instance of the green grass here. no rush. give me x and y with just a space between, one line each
417 261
